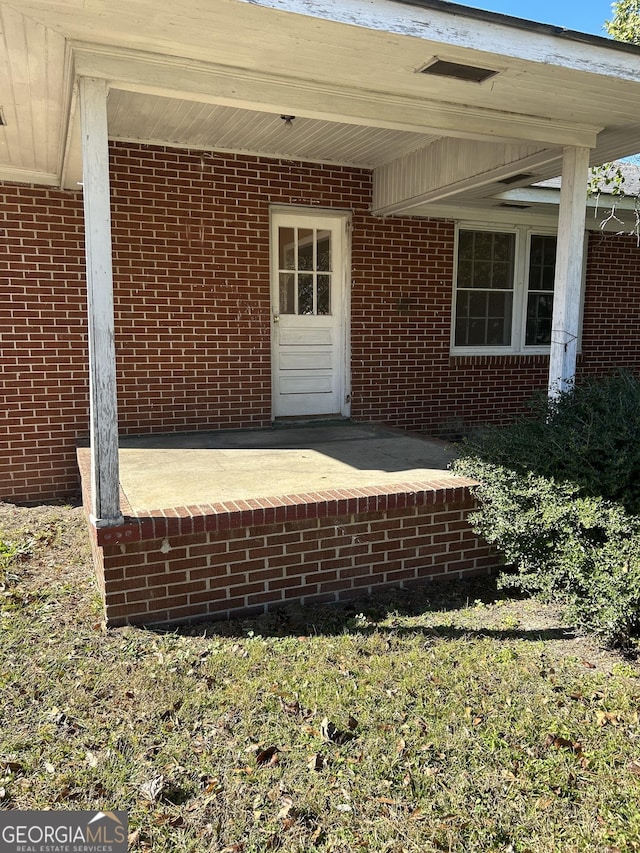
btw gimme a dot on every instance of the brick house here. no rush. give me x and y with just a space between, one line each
260 237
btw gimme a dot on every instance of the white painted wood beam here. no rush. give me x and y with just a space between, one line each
105 480
138 71
28 176
449 168
569 262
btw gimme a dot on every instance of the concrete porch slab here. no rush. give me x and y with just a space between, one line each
161 471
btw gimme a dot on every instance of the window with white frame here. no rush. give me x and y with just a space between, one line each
503 300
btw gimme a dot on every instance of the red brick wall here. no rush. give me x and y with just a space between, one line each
191 278
611 323
250 569
43 355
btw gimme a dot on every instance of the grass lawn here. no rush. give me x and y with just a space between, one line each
449 719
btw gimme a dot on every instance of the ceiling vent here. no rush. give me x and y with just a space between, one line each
514 206
458 71
3 121
516 179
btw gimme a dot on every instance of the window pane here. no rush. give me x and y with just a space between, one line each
486 259
465 273
502 276
465 245
476 333
539 316
482 245
287 293
499 321
323 302
323 262
305 294
542 262
483 319
484 302
503 247
548 277
305 249
481 276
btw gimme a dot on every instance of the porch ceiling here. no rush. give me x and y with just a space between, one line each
218 75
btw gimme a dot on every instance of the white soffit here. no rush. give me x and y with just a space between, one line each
157 120
35 86
346 68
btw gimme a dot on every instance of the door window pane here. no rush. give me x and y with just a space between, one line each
287 293
304 270
287 248
305 294
324 290
323 253
305 249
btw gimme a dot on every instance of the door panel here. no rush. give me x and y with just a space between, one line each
308 252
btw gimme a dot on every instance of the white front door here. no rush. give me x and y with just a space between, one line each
308 314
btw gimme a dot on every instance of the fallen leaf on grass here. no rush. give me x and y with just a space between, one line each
152 788
634 766
267 757
418 814
562 743
612 718
332 733
287 805
10 765
294 708
211 785
316 762
475 719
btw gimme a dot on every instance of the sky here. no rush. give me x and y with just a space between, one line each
585 16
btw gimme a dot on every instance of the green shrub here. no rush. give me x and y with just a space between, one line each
559 495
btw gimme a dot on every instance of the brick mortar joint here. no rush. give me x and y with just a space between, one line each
134 528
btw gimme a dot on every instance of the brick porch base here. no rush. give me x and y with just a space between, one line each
243 557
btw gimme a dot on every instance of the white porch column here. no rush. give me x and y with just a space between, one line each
105 479
569 262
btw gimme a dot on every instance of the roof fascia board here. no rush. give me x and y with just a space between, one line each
140 71
550 195
28 176
489 32
486 215
542 217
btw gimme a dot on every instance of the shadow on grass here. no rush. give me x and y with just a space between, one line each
387 612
